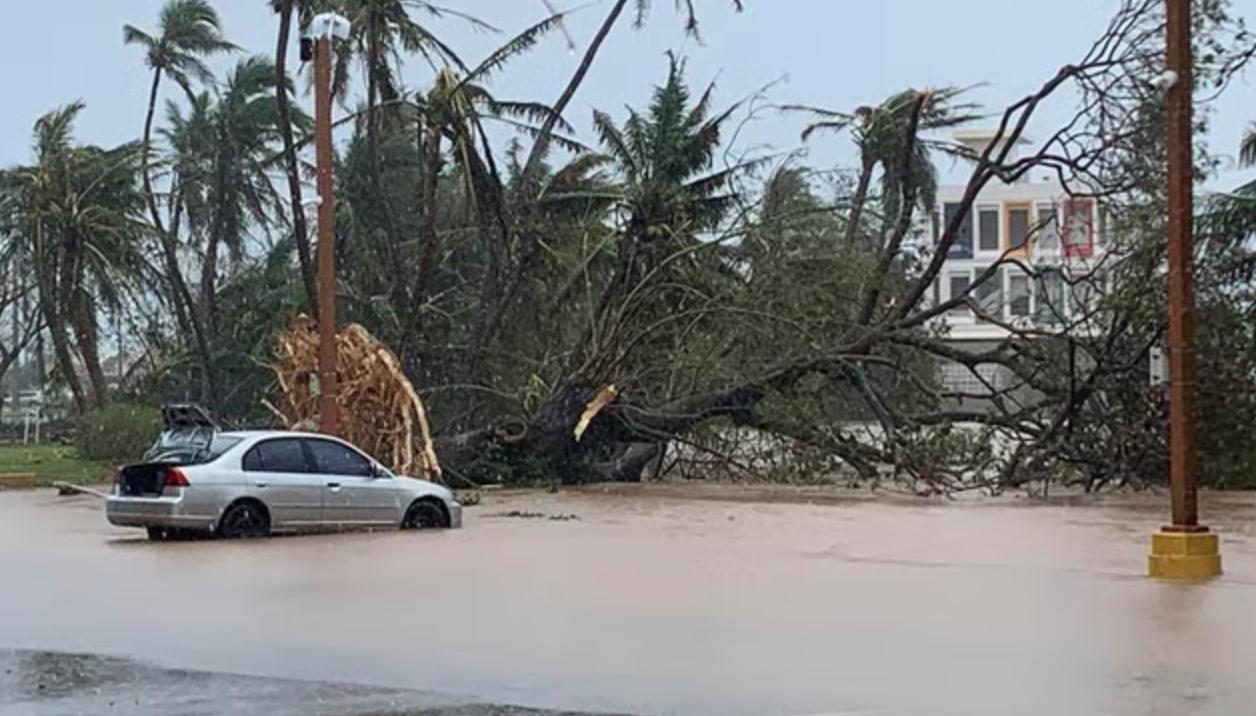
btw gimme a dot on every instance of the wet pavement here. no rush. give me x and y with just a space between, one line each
55 684
646 604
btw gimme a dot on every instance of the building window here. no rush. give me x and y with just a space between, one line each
962 248
1102 236
988 225
1017 227
1079 229
1048 232
959 283
1052 308
989 293
1020 297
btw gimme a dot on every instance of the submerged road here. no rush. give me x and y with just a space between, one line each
646 604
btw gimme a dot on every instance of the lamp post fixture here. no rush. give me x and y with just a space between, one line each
323 28
1184 549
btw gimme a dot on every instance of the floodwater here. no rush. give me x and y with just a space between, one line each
652 604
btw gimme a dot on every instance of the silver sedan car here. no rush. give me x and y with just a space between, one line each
249 484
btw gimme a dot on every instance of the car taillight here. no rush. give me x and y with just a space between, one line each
175 477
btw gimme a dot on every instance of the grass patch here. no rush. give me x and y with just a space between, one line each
52 463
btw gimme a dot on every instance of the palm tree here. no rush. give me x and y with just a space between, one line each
881 135
665 159
189 31
381 30
76 211
222 149
300 233
454 110
669 195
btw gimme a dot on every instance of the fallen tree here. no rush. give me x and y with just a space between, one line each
380 411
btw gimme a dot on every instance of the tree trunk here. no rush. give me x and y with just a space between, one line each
618 446
181 296
860 199
292 169
49 305
547 128
429 235
83 318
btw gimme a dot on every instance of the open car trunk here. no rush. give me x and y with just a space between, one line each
185 439
146 479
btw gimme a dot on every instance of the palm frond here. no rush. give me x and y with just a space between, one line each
531 111
523 42
613 139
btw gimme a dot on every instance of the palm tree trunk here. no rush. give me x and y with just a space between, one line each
300 233
860 200
49 305
80 312
181 296
429 236
83 318
547 128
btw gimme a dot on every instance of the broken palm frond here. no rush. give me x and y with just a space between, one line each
380 411
603 398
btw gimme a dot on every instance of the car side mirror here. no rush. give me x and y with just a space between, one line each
378 471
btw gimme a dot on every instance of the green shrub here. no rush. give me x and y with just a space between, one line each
118 432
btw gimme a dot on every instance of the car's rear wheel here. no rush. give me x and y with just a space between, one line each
244 520
158 534
424 515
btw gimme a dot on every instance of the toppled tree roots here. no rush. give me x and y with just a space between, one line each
380 411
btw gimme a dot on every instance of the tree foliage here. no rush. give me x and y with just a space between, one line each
739 307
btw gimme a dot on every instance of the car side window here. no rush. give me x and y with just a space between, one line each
285 455
332 458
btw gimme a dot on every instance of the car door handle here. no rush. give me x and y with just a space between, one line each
262 484
334 486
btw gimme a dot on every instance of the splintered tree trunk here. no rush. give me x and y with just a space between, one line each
613 448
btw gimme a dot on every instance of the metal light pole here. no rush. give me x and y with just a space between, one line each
322 29
1184 549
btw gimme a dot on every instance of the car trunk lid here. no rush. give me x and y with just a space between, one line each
185 439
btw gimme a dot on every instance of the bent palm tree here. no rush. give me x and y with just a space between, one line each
881 134
76 209
189 31
222 150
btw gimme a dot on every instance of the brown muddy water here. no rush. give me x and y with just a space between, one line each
654 603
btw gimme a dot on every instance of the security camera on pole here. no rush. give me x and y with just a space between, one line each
323 28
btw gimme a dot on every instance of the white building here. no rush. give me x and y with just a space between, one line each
1052 245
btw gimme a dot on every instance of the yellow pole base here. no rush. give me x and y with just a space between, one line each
1187 556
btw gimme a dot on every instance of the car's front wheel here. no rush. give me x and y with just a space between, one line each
423 515
244 520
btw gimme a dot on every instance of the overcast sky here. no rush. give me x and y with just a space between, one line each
834 53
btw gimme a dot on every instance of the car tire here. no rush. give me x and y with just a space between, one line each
244 520
424 515
158 534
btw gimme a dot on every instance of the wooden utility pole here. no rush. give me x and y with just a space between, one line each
1184 550
326 280
1181 296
